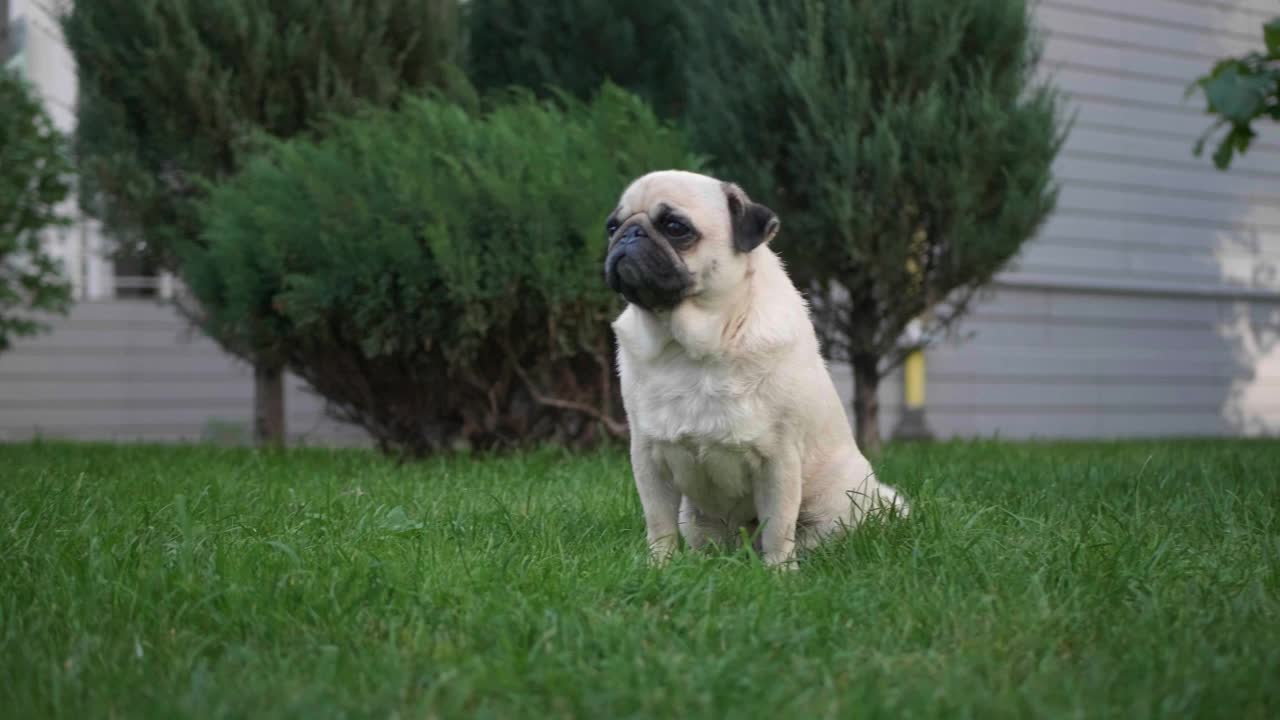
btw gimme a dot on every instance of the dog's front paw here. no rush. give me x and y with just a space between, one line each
660 552
782 562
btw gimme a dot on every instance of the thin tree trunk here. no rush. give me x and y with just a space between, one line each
866 403
268 405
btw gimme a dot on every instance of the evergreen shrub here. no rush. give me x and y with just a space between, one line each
435 273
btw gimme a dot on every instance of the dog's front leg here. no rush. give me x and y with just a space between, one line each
777 491
658 498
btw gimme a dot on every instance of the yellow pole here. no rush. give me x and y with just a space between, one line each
912 424
913 373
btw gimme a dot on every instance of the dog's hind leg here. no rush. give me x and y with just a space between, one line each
845 509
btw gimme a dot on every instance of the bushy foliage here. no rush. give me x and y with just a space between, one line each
575 45
170 90
905 143
434 273
33 184
1240 90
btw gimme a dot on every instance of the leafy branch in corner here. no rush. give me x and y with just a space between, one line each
1240 90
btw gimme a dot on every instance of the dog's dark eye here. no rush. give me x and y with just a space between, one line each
676 229
611 227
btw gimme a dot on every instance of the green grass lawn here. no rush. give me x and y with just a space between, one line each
1096 580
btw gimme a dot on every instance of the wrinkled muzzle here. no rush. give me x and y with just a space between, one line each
645 271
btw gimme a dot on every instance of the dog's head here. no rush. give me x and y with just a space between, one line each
676 235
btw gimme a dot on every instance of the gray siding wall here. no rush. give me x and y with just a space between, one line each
134 370
1150 302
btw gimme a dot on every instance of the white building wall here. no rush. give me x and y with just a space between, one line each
1150 302
133 370
47 64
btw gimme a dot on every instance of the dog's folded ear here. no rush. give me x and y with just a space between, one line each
753 223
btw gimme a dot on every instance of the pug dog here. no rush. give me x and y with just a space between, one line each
736 427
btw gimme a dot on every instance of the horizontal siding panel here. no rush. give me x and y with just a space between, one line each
1261 10
1037 306
26 363
16 392
1049 257
1207 262
1043 256
1181 122
1081 409
1117 85
949 422
1224 381
136 370
1204 182
973 363
1062 48
89 415
1116 318
1120 397
1188 339
189 419
1098 348
1099 336
171 434
1163 235
112 432
119 313
1144 203
138 340
1136 44
1093 376
1156 152
1203 18
78 321
1191 314
992 333
55 344
1118 27
1238 270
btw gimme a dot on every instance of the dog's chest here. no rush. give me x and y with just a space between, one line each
708 424
699 406
718 479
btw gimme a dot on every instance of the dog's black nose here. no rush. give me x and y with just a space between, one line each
632 234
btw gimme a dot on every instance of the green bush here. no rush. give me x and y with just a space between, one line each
435 274
576 45
169 90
